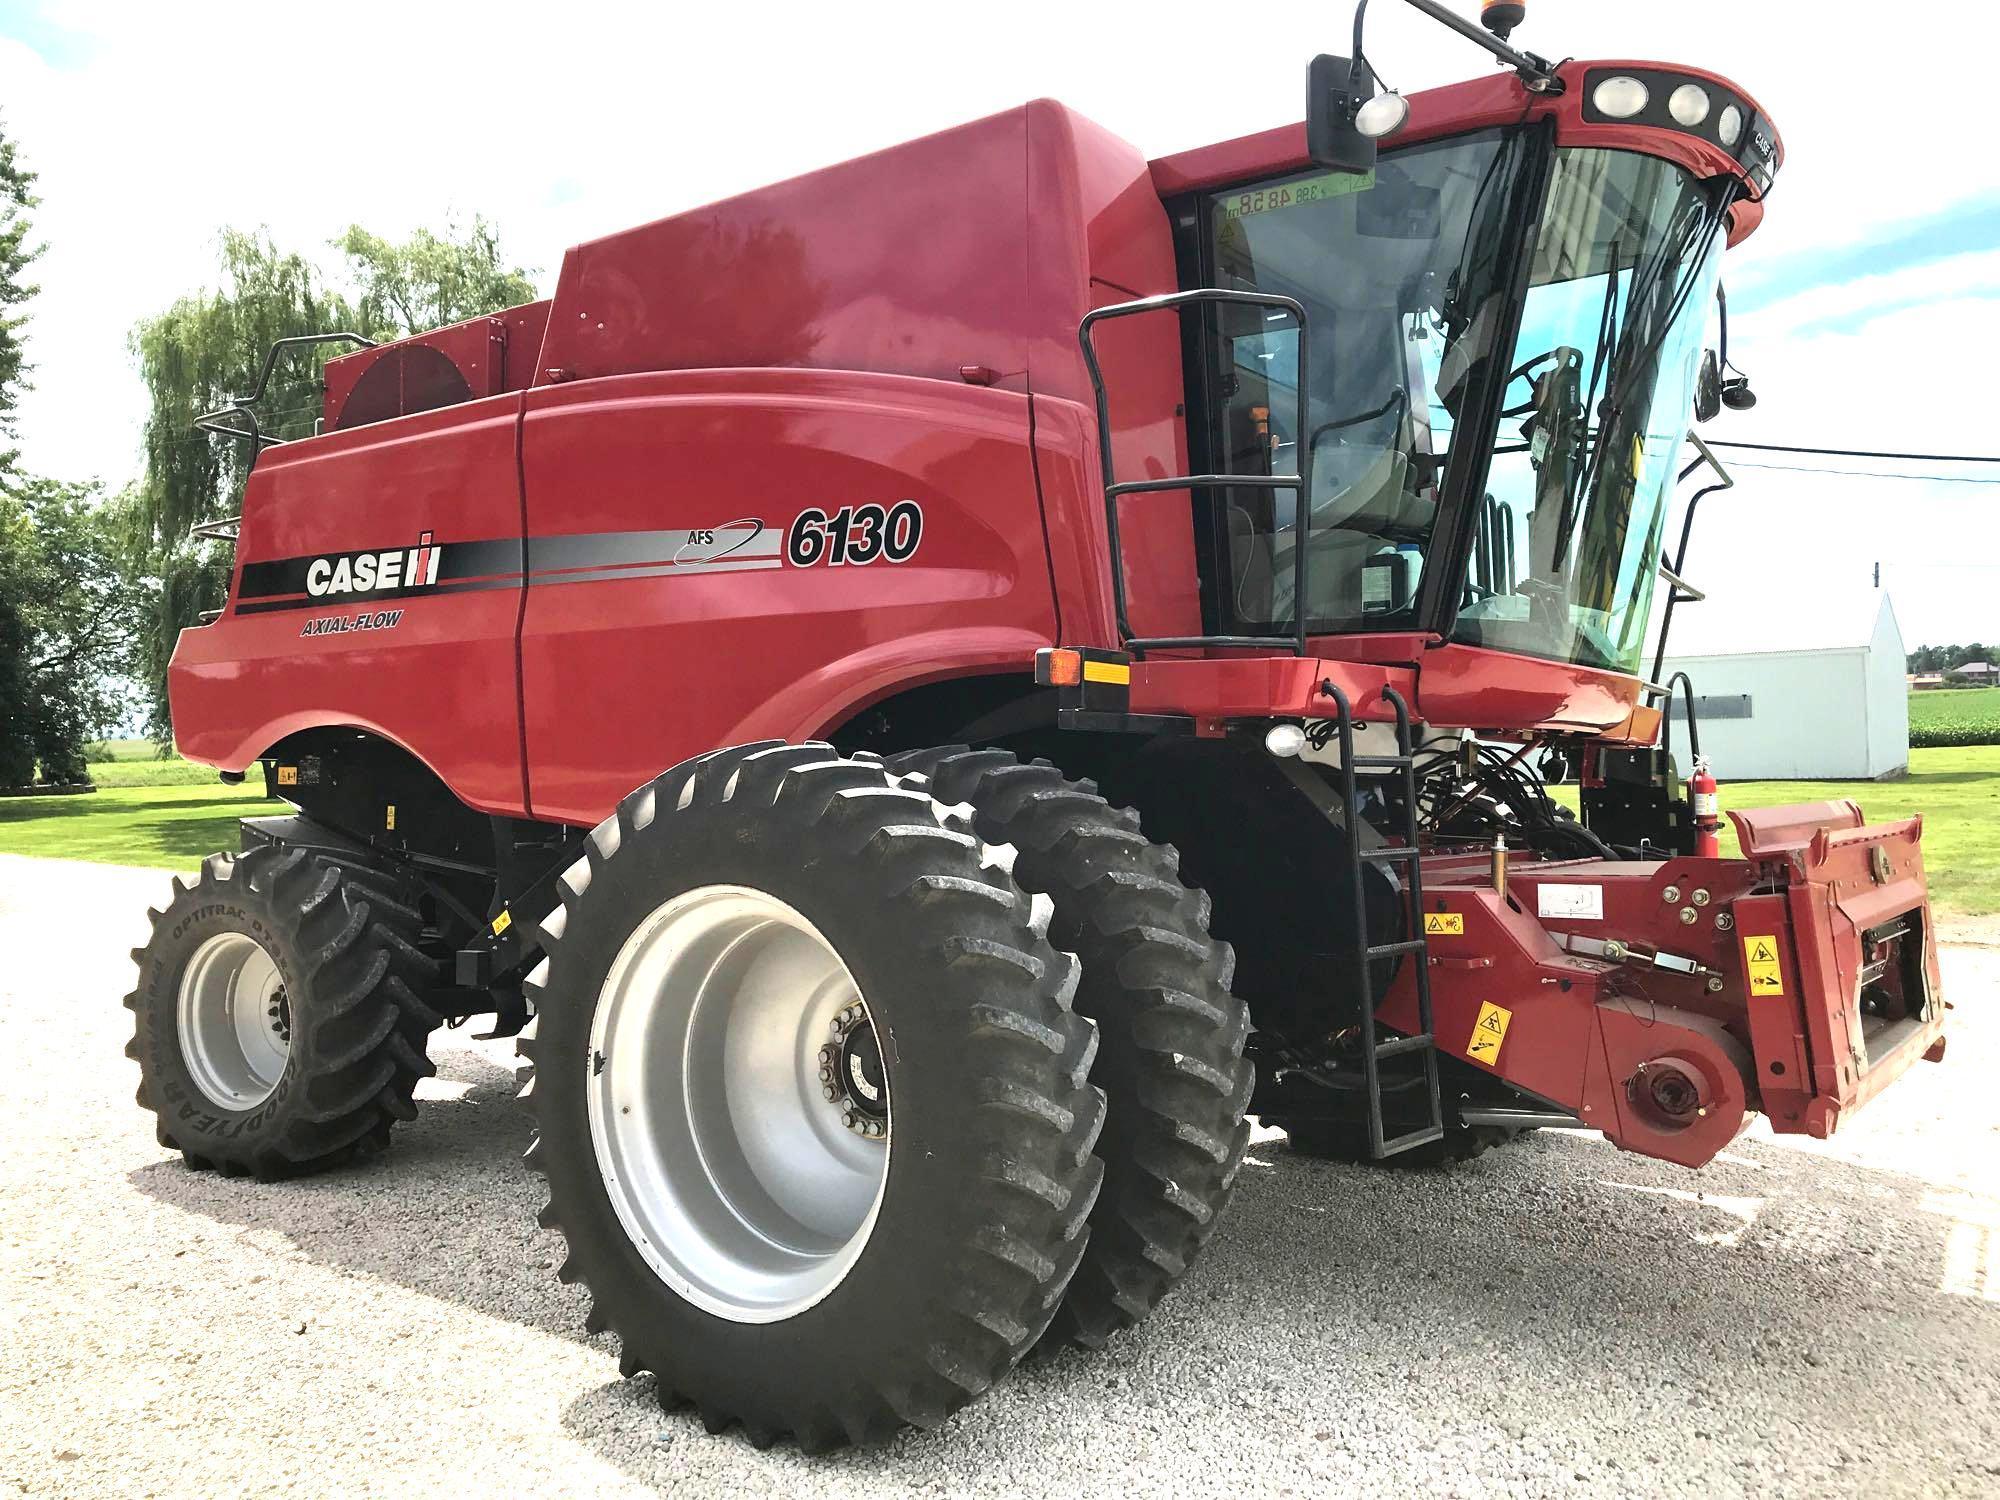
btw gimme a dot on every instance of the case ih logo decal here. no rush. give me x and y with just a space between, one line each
850 536
348 573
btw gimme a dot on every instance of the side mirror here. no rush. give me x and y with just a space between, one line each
1708 388
1336 87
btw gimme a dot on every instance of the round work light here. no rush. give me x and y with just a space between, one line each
1729 126
1620 96
1688 104
1385 114
1284 739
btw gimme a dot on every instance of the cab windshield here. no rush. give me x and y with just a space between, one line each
1597 404
1409 277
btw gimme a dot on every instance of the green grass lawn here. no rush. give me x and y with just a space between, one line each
167 826
175 772
141 749
1958 792
180 812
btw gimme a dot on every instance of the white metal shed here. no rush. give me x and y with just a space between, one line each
1795 690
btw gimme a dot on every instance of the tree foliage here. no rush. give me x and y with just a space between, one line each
205 349
1947 658
72 608
429 280
16 254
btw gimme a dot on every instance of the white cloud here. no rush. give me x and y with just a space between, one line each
564 123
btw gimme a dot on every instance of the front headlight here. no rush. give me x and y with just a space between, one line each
1620 96
1729 126
1688 104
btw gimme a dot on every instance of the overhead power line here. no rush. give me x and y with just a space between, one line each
1871 474
1934 458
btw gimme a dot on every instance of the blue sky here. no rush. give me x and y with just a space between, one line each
1865 308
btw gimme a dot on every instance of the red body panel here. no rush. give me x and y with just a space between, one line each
489 355
625 676
441 682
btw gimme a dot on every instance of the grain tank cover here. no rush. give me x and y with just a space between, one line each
970 250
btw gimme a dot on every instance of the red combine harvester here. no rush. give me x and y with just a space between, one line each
926 692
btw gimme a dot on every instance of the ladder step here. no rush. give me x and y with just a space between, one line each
1397 1046
1386 762
1384 950
1421 1137
1401 851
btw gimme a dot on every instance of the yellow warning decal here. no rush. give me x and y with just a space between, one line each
1444 924
288 776
1106 671
502 922
1760 961
1489 1033
389 822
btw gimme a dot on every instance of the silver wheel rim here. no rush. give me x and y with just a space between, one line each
746 1189
234 1020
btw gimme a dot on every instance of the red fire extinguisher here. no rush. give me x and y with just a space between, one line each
1707 821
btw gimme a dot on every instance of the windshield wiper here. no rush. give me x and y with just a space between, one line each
1630 359
1600 359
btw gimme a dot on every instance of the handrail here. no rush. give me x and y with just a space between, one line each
223 530
1667 720
1674 574
1688 592
1300 484
241 406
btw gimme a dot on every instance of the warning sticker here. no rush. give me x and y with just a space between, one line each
1760 962
1444 924
1578 903
1489 1033
288 776
502 922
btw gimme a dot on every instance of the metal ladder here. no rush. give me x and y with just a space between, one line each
1375 1052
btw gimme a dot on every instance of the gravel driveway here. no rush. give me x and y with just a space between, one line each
1558 1318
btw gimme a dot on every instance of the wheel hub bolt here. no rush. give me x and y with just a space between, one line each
832 1093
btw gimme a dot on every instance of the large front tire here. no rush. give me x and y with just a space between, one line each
1171 1033
771 1254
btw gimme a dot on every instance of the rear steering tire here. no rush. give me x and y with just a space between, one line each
279 1024
753 932
1171 1033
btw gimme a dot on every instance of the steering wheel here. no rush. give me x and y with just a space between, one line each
1398 402
1560 355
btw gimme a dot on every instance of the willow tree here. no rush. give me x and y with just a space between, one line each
206 349
17 759
17 253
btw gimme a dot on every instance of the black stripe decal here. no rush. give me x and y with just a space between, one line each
462 567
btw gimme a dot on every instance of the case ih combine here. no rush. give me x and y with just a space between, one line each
926 692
